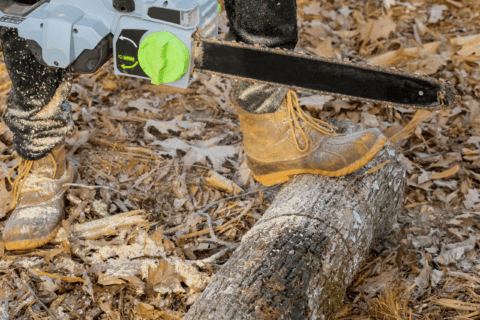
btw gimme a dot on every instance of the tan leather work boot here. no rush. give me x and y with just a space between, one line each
39 201
275 154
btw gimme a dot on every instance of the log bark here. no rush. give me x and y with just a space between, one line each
300 257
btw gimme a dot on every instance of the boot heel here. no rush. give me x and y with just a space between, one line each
272 179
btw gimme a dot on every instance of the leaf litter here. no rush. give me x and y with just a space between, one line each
163 163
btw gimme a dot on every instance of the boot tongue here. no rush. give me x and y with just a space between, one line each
45 167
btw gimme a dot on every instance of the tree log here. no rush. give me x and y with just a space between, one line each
300 257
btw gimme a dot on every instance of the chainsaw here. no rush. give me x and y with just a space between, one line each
167 41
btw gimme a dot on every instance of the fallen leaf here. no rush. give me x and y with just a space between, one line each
164 279
455 251
108 280
49 256
436 13
420 115
324 48
5 196
244 174
376 29
445 174
375 284
147 311
313 8
435 277
171 146
423 278
145 104
471 198
316 102
217 155
177 125
157 236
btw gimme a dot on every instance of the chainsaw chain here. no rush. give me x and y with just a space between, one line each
441 94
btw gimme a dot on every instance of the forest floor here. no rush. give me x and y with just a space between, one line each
154 156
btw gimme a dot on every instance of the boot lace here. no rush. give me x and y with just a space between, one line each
24 169
317 124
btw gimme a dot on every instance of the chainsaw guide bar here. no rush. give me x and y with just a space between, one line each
322 75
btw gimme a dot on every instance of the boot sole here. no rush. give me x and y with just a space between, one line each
31 244
284 176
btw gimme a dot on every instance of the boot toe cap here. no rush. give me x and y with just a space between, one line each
30 227
346 150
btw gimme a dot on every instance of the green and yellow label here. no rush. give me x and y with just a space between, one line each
128 58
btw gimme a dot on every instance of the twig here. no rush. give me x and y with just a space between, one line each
351 55
217 255
233 197
4 313
203 213
39 301
212 232
217 241
91 187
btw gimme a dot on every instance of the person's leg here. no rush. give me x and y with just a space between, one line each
272 23
38 113
40 119
279 138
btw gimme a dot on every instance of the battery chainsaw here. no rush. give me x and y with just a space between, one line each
166 41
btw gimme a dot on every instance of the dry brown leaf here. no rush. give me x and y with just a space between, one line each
244 174
445 174
5 196
49 256
393 130
147 311
471 198
313 8
177 125
317 31
217 155
164 279
375 284
454 252
436 13
324 48
316 102
464 220
157 236
108 280
456 233
376 29
420 115
449 158
171 145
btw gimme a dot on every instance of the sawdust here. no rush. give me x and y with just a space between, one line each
28 213
30 262
193 278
